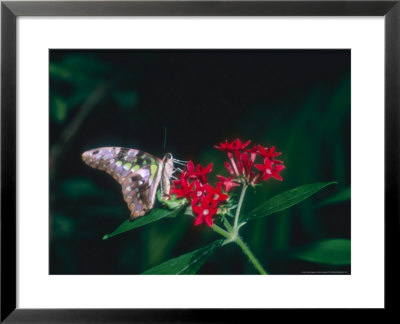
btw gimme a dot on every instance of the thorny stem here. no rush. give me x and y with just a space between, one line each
246 250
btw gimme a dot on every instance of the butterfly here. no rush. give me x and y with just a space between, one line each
138 172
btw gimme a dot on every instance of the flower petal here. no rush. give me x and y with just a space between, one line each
209 220
199 220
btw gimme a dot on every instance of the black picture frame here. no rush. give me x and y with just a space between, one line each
10 10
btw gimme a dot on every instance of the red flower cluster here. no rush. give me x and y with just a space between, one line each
203 197
242 161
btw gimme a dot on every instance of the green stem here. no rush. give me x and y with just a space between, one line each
219 230
239 207
228 226
232 234
246 250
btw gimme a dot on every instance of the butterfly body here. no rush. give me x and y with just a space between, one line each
138 172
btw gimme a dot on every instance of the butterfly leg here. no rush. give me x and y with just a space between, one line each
180 162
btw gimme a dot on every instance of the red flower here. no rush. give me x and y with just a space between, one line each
253 152
198 192
270 169
265 152
215 194
229 167
203 197
204 212
236 145
242 166
227 183
248 166
199 172
186 188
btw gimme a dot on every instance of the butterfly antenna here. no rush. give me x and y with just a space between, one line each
181 162
165 139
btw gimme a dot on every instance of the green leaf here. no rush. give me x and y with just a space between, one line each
62 225
188 263
58 71
58 108
341 196
153 216
333 252
286 200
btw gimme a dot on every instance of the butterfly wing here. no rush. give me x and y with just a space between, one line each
139 191
139 174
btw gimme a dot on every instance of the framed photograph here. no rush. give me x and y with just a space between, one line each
183 156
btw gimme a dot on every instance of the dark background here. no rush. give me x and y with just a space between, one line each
297 100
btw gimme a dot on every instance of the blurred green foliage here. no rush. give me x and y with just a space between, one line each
298 101
335 251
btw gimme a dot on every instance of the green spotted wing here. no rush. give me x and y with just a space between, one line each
138 172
